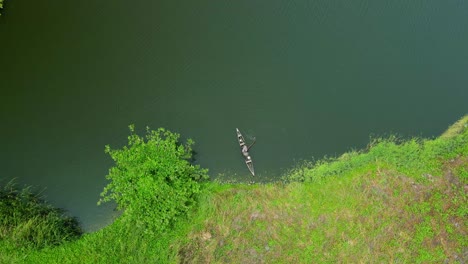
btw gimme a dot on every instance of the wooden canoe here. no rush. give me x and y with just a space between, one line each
248 159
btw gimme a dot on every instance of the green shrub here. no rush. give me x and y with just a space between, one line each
153 180
27 221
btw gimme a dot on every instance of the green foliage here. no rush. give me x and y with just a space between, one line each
27 221
120 242
153 180
413 157
456 128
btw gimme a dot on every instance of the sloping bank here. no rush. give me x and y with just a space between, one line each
396 201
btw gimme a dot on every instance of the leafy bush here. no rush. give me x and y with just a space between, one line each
27 221
153 180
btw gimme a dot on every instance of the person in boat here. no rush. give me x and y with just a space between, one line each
245 150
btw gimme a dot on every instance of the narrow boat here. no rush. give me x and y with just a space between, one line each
248 159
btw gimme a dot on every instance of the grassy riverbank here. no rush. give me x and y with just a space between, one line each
396 201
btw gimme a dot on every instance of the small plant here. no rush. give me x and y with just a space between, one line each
27 221
153 180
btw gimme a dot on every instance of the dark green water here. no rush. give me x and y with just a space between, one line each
307 79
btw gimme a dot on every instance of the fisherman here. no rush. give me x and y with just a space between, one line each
245 149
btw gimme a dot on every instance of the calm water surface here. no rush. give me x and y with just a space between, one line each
306 78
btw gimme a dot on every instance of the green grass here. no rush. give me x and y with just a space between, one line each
370 215
26 221
397 201
456 128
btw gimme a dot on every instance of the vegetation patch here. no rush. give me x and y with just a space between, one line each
456 128
153 180
370 215
26 221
